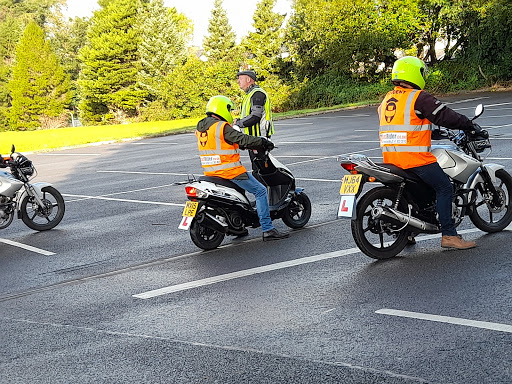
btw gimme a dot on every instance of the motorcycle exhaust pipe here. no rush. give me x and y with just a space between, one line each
404 219
212 222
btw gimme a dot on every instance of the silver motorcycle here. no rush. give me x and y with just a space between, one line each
382 218
39 205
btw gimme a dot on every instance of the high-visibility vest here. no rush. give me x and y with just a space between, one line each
265 121
405 139
218 158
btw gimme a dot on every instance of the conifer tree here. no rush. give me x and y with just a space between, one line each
263 46
110 63
164 37
39 87
220 41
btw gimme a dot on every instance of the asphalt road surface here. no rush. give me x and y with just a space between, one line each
118 294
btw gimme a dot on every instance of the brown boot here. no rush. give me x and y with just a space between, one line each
456 242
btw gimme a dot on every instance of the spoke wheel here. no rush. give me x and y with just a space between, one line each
378 237
47 216
485 214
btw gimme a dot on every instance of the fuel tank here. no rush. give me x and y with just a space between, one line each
9 185
454 162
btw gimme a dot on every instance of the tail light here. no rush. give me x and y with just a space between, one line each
350 167
191 191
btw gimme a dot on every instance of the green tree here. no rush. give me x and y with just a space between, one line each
221 40
110 63
39 87
164 37
264 46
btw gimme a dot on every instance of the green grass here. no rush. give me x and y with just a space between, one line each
48 139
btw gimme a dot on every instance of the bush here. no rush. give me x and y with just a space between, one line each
331 89
453 76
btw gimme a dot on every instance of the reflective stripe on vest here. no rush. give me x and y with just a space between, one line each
218 158
405 139
266 118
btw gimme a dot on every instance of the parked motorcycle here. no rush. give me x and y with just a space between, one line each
384 216
39 205
218 207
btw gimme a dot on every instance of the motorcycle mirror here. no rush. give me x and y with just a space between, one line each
478 110
13 149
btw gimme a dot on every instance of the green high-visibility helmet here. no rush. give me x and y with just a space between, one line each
410 70
221 106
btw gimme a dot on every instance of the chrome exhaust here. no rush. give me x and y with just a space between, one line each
404 219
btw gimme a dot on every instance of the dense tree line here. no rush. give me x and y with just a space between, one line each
132 60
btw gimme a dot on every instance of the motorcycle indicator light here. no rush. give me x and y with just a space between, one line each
191 191
371 179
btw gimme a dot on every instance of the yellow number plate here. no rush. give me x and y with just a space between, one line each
190 208
350 184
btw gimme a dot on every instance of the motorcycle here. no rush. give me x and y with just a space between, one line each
218 207
39 205
384 217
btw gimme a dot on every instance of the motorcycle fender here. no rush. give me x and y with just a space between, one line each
477 177
38 188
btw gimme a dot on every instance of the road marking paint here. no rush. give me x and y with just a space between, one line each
447 319
27 247
146 173
124 200
159 143
468 100
326 180
497 126
263 269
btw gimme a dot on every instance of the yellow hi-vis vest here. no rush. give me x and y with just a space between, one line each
265 121
218 158
405 139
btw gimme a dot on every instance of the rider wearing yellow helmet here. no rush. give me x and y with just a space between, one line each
406 115
218 143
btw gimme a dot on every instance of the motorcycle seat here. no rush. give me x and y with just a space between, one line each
223 182
400 172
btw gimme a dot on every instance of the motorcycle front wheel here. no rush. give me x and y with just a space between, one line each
204 237
48 216
485 214
298 212
378 238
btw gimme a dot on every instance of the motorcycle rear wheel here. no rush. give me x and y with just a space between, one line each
484 214
43 218
204 237
375 237
298 212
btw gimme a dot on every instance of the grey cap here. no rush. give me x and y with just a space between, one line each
249 73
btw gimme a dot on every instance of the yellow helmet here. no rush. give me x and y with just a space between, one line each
410 70
221 106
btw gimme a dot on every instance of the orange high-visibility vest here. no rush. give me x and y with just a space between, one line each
218 158
405 139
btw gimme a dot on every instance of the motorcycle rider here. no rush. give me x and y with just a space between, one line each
406 115
219 143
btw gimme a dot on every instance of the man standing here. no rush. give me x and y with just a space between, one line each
218 143
406 116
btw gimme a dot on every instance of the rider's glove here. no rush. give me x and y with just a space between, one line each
267 144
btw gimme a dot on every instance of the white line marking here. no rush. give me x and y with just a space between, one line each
326 180
27 247
447 319
146 173
124 200
160 143
70 154
265 268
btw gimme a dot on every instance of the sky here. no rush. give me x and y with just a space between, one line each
240 13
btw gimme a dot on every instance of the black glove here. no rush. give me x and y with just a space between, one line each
267 144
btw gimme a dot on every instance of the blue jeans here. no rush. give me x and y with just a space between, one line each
433 175
259 191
